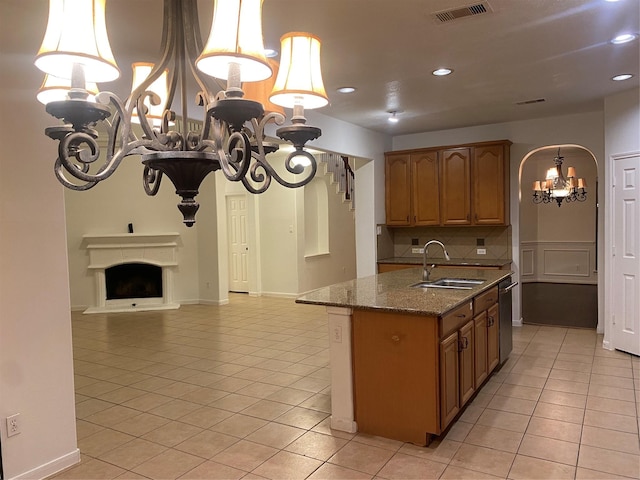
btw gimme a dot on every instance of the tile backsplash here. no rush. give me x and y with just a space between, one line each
461 242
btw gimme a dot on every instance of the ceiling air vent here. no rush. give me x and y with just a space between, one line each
456 13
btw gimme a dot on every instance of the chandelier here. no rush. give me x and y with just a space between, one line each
555 187
75 54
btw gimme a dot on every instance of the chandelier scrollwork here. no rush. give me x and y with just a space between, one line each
232 138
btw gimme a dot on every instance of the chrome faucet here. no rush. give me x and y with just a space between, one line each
426 270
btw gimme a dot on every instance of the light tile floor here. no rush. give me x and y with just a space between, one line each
242 391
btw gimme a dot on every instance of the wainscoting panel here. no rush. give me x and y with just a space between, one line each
566 262
527 263
559 262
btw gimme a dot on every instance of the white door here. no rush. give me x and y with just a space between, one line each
238 246
626 254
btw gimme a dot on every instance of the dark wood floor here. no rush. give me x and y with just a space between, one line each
560 304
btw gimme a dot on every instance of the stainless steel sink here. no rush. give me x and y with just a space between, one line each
451 283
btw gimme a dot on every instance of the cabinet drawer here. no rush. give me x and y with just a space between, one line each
455 318
485 300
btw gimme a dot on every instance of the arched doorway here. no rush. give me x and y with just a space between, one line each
558 243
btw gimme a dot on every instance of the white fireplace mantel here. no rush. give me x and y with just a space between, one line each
107 250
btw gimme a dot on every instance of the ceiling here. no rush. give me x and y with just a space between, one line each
521 50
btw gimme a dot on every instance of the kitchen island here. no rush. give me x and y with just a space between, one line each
405 360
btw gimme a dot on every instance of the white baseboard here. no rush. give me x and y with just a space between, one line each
51 468
215 303
517 323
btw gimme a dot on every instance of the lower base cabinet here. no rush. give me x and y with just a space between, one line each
414 373
449 379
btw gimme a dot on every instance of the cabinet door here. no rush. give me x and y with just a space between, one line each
449 380
425 188
493 337
397 183
455 185
467 376
490 185
480 346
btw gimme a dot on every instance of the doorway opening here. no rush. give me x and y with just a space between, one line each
558 244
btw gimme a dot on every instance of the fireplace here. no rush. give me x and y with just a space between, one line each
132 272
133 280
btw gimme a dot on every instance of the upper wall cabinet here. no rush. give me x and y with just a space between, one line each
453 185
411 185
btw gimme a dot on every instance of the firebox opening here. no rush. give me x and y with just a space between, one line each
133 280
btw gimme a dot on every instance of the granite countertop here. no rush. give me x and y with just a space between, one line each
392 292
472 262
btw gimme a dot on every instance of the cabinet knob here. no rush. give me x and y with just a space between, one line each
491 321
395 338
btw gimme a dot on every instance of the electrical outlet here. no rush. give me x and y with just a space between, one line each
13 425
336 334
481 251
417 250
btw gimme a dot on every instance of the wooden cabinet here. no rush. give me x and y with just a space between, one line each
448 186
412 374
449 379
412 186
395 360
425 188
480 333
398 189
467 357
487 340
455 182
493 337
456 361
490 174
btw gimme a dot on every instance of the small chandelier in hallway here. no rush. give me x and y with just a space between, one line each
557 187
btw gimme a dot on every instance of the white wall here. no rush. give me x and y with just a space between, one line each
340 263
347 139
36 366
585 129
622 135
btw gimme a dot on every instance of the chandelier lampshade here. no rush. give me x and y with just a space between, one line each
76 34
159 87
260 91
299 78
236 37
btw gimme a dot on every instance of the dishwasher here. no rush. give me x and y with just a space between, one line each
506 323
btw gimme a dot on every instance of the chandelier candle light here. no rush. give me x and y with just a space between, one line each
555 187
76 50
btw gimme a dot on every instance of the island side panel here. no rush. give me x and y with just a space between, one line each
395 368
342 413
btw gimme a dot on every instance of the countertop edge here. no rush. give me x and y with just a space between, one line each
391 292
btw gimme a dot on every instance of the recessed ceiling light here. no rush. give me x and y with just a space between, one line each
624 38
270 53
624 76
346 90
441 72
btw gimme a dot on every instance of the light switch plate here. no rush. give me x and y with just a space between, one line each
481 251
